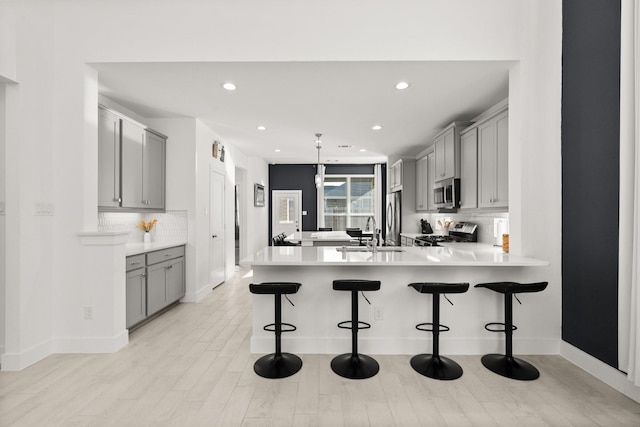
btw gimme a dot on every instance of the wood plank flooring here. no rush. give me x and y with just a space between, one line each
192 367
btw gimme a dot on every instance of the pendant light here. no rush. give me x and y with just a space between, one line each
318 177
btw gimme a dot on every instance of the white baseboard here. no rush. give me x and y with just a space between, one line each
198 295
600 370
91 345
19 361
401 346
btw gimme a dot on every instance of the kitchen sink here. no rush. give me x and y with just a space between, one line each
366 249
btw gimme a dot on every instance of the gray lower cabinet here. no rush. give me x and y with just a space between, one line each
155 280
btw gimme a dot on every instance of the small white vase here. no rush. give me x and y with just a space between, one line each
147 237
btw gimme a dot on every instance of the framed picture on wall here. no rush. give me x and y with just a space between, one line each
258 195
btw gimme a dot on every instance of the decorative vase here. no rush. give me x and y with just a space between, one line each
147 237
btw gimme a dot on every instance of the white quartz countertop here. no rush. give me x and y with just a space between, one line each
140 248
453 254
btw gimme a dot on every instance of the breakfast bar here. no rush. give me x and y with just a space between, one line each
396 308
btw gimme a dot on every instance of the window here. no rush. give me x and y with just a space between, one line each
349 200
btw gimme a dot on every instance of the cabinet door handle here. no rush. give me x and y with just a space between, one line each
169 266
167 254
135 262
214 236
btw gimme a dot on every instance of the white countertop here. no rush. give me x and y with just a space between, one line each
453 254
306 236
140 248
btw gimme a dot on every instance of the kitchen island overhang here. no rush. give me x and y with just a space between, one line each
395 309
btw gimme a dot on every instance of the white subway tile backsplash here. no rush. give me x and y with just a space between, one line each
171 225
485 221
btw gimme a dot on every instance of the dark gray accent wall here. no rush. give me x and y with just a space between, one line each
301 177
590 176
296 177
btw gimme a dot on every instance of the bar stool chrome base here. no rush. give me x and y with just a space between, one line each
355 367
510 367
436 367
277 366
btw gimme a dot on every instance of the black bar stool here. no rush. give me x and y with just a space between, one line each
434 365
278 364
353 365
505 364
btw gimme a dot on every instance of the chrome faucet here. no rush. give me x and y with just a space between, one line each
374 240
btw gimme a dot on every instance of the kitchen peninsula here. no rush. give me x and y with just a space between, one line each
395 309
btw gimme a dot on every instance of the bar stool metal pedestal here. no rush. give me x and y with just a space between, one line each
354 365
506 364
278 364
434 365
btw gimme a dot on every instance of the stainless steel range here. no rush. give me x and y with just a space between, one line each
459 232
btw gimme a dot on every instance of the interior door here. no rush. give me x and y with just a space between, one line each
286 211
217 258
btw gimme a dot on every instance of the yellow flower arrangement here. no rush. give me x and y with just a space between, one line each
147 226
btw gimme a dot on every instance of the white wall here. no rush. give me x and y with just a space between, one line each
56 160
2 217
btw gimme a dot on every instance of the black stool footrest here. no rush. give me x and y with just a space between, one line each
504 327
361 325
423 327
287 327
510 367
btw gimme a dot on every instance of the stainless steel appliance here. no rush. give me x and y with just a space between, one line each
393 219
460 232
446 194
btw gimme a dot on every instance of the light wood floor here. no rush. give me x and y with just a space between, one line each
192 366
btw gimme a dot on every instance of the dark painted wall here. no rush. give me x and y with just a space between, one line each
301 177
296 177
590 176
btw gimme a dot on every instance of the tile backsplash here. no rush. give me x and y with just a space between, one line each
488 223
171 225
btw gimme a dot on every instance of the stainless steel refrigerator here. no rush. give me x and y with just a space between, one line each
393 219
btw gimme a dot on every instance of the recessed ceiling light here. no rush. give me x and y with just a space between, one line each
402 85
261 128
229 86
376 127
277 150
363 150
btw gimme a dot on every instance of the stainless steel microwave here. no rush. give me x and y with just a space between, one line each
446 194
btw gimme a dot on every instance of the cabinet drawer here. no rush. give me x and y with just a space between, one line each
164 254
135 261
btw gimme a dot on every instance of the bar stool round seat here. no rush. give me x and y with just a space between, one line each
434 365
506 364
278 364
354 365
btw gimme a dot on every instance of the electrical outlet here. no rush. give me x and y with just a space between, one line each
88 312
377 313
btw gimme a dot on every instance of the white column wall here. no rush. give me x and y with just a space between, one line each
55 39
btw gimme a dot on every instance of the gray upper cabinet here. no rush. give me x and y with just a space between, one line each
108 159
469 169
133 136
131 171
153 168
493 162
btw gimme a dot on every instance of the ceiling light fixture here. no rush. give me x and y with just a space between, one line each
318 177
229 86
277 150
376 127
363 150
261 127
402 85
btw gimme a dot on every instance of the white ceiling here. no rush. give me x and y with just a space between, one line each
296 100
